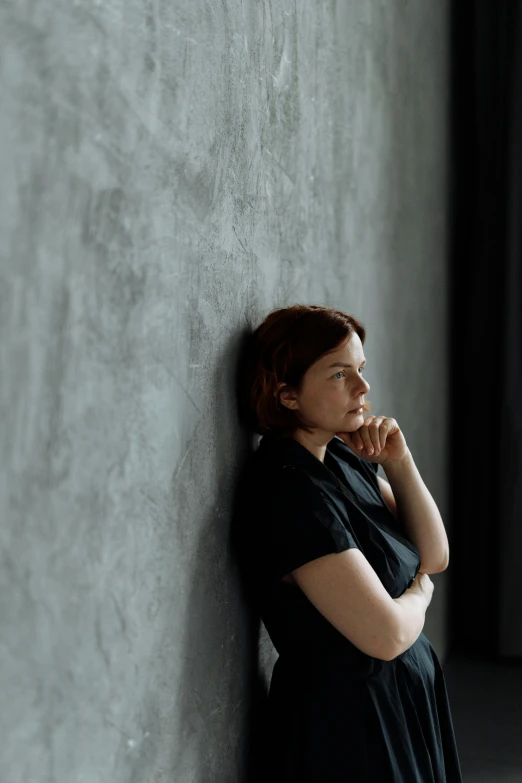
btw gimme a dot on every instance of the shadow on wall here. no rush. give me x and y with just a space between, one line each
243 549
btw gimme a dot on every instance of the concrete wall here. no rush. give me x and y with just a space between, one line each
170 173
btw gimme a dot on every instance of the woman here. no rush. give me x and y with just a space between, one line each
338 562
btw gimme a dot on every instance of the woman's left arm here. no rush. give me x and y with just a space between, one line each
419 513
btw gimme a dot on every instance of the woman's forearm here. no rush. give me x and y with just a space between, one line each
411 608
419 513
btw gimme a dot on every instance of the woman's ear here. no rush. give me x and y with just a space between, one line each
287 397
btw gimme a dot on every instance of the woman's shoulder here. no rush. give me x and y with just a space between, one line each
278 483
278 476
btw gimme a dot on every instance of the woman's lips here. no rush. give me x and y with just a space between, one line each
356 410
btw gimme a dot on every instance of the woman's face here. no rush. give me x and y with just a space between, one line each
331 390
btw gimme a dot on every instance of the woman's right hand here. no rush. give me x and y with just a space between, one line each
423 585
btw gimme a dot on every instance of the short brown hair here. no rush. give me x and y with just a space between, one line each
281 350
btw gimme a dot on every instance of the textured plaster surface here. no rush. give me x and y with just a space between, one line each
170 173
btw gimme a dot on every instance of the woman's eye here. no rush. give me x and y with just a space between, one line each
361 370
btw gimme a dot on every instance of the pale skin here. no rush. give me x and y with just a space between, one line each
329 394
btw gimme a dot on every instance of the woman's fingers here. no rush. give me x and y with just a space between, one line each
371 435
374 434
357 440
366 436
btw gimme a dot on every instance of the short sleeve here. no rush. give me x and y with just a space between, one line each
302 525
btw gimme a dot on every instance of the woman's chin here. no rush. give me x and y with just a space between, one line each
348 427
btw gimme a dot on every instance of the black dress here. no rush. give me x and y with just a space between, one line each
336 714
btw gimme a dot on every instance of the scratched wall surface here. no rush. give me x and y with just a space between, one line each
170 173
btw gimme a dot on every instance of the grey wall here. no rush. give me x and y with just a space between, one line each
171 171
